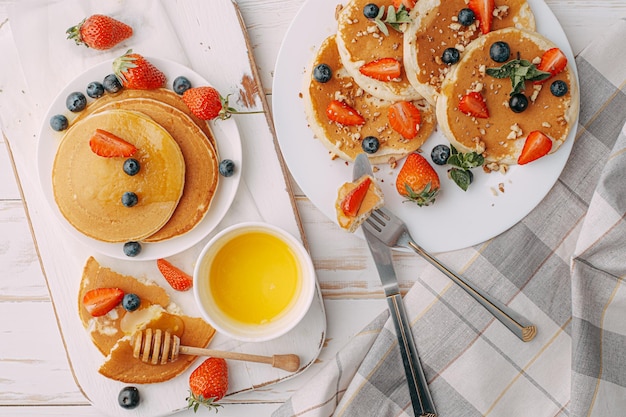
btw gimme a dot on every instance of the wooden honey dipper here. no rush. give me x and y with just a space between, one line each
158 347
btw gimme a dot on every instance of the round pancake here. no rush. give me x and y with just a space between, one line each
435 27
501 136
360 41
88 188
201 162
345 141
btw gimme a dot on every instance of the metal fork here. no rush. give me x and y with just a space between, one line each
392 231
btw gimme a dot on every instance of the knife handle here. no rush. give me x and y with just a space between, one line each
418 387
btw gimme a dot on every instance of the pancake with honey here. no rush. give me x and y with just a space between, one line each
500 132
350 218
343 138
437 25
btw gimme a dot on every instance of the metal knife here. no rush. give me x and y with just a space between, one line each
418 387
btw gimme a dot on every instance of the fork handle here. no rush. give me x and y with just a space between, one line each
518 324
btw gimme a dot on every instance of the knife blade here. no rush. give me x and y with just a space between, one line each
421 398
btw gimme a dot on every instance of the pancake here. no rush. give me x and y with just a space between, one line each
360 41
88 188
112 332
373 200
501 136
345 141
434 27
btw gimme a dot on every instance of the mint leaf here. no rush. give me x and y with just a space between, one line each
461 177
519 71
394 18
464 161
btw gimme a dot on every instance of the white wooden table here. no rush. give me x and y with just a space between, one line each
35 376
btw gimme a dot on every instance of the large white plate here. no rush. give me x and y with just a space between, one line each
228 144
458 219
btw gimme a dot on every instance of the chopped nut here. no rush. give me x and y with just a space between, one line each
546 124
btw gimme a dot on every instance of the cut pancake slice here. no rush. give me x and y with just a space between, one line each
372 200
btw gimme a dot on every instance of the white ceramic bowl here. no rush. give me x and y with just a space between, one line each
244 329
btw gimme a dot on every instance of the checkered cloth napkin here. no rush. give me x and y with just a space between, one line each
563 267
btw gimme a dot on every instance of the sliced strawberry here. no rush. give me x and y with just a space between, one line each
537 145
352 201
100 301
483 9
178 279
340 112
404 118
108 145
408 4
473 104
553 61
383 69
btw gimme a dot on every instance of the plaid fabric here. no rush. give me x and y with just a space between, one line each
562 267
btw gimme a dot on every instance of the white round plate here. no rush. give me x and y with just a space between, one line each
457 219
228 144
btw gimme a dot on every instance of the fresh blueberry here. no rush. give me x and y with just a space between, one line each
132 249
500 51
322 73
450 56
59 122
181 84
371 11
111 84
558 88
76 102
131 302
440 154
129 199
227 167
95 89
370 144
466 17
128 397
131 166
518 102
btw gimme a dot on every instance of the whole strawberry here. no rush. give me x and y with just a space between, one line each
178 279
208 384
99 32
136 72
417 180
206 103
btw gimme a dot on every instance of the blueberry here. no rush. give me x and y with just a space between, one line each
370 144
322 73
111 84
227 167
370 11
518 102
131 166
128 397
558 88
500 51
129 199
95 89
181 84
440 154
451 56
76 102
131 302
466 17
132 249
59 122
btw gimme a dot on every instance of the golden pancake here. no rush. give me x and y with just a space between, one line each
88 188
435 27
201 162
501 136
360 41
345 141
112 332
373 200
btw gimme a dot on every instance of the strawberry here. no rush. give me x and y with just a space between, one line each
408 4
208 383
136 72
383 69
108 145
99 32
404 118
100 301
340 112
483 9
553 61
206 103
178 279
537 144
352 201
473 104
417 180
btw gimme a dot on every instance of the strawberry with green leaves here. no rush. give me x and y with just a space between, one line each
417 180
136 72
207 103
537 144
177 278
208 384
99 32
100 301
